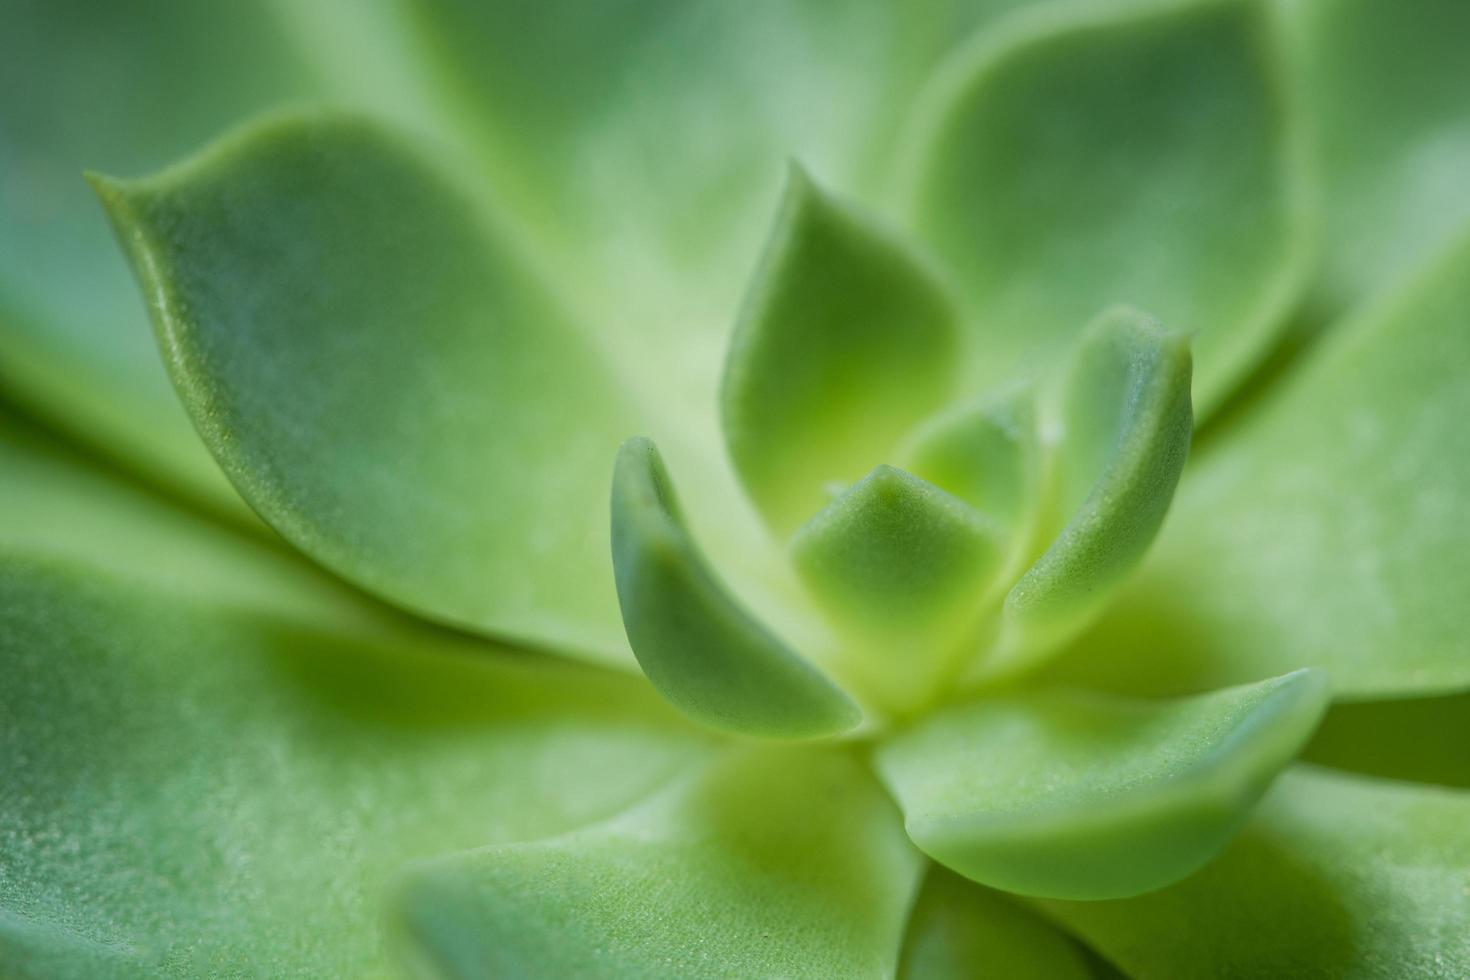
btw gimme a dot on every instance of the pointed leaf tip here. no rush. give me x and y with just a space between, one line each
1087 796
844 343
704 652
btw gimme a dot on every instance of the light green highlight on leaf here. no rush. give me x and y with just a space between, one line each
961 931
902 568
785 863
215 756
1390 127
844 343
698 646
1337 876
1088 796
361 354
1124 426
126 86
1330 529
1143 154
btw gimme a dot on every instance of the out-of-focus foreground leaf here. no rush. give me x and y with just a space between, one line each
770 862
215 759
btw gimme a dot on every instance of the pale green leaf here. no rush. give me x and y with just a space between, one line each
902 568
960 931
125 86
1123 432
1390 120
215 757
984 451
845 343
1336 877
698 646
1330 528
383 379
1426 740
769 863
1083 158
1090 796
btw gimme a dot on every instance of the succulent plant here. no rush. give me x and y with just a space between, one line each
559 581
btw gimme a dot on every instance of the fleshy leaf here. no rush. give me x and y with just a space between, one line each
645 143
1083 159
704 652
215 758
1391 128
985 452
902 568
382 378
1329 528
960 931
1426 740
1337 876
83 84
1125 423
845 342
1090 796
769 863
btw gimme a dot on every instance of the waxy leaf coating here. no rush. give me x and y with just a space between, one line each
358 349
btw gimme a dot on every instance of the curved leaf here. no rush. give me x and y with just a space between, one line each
1329 530
214 759
81 85
1089 796
1391 132
382 379
845 342
1337 876
1125 423
1081 159
902 568
786 863
707 655
960 931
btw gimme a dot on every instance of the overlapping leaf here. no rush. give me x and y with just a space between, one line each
1085 796
215 758
1337 876
769 862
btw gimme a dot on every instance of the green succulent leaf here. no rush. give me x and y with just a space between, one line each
1088 796
1330 528
643 139
1426 740
698 646
1138 154
80 85
844 344
960 931
1337 876
902 567
362 356
1391 134
1124 426
987 453
216 759
769 862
